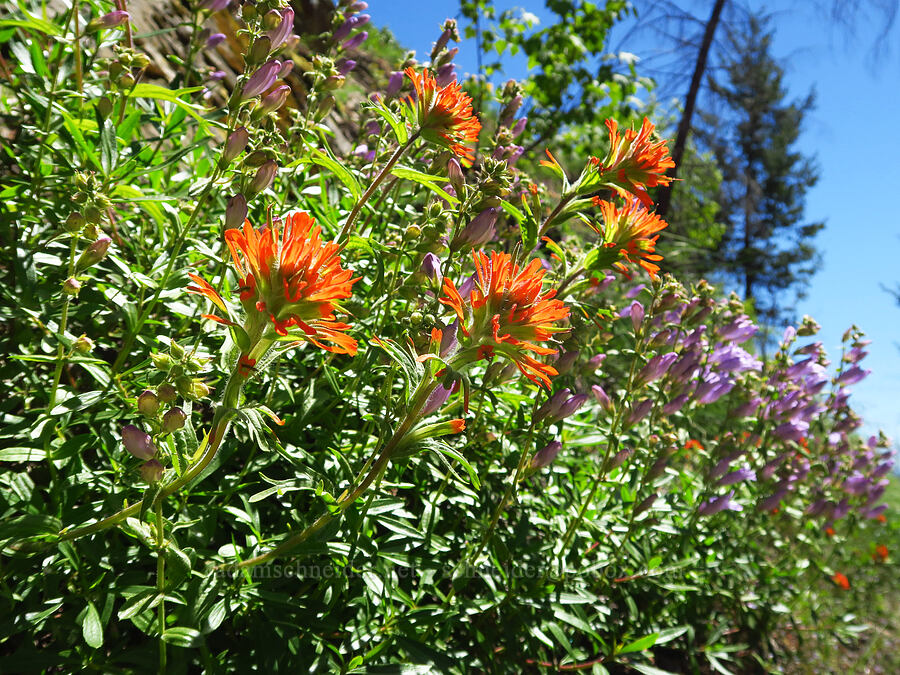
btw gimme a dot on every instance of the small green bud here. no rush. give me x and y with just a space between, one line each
74 223
173 420
166 393
199 389
148 404
176 350
71 286
161 361
413 232
84 345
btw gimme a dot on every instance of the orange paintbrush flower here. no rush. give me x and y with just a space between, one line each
634 162
629 235
841 580
444 114
507 313
288 278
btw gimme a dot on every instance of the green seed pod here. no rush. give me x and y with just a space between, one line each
166 393
84 345
161 361
74 223
148 404
176 350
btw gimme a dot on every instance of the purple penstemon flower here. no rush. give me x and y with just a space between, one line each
856 484
656 367
675 404
791 430
739 330
280 33
717 504
739 476
546 455
261 80
639 411
355 41
602 397
852 376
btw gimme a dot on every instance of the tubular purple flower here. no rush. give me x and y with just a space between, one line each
510 110
791 431
856 484
658 468
445 75
852 376
449 341
738 331
874 513
817 508
747 409
618 459
675 404
345 28
344 66
731 358
771 467
594 362
570 407
279 34
684 369
717 504
235 212
357 7
811 348
636 312
739 476
790 333
442 41
840 510
479 230
284 71
773 501
645 504
883 469
137 442
263 178
546 455
261 80
551 407
656 367
215 40
355 41
394 83
639 411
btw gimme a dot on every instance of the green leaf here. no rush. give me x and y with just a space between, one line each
182 636
22 455
154 91
639 645
76 403
340 172
109 151
91 628
397 125
425 179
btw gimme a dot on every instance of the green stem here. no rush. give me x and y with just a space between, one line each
218 429
79 77
360 484
63 322
348 226
161 584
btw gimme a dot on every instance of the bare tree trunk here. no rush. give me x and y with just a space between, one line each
684 127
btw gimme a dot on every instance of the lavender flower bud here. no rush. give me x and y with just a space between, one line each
173 420
594 362
113 19
480 230
438 398
519 127
261 80
355 41
546 455
602 397
236 211
656 367
746 473
636 312
618 459
235 145
148 404
455 175
284 71
658 468
645 504
274 99
263 178
431 267
570 407
550 409
442 41
639 412
445 75
448 339
93 254
138 442
565 362
675 404
215 40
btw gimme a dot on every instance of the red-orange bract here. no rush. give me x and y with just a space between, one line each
507 313
635 161
841 580
444 114
630 233
289 278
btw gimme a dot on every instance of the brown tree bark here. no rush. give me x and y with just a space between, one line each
684 126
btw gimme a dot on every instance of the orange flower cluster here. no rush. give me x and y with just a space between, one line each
634 161
288 278
507 313
629 234
841 580
444 115
881 553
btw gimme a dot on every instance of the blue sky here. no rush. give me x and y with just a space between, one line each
853 134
